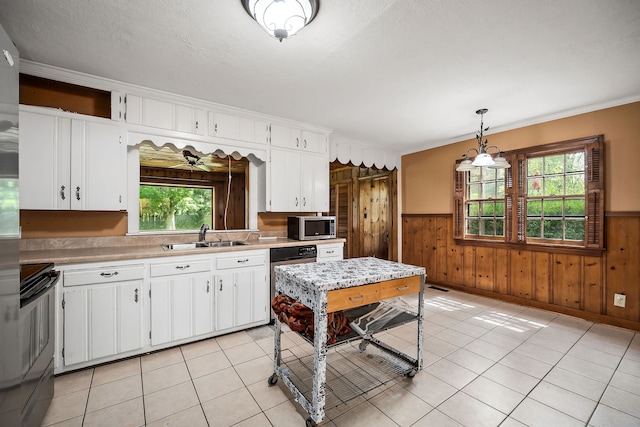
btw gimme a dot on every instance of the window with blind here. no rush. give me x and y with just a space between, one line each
553 194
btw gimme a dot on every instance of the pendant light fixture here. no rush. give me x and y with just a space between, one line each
483 158
282 19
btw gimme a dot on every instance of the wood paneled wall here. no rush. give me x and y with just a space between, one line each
578 285
365 203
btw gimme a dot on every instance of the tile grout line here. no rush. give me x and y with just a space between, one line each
609 384
144 406
193 384
545 375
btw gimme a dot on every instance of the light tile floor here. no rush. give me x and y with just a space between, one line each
486 363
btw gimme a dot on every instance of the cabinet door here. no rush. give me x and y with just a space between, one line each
284 181
98 166
102 321
170 310
181 307
190 120
244 299
157 114
260 132
260 295
45 173
285 136
160 311
314 183
314 142
224 126
202 306
130 316
225 301
74 337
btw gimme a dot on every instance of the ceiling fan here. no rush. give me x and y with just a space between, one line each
193 160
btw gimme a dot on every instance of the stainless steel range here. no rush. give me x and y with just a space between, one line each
37 338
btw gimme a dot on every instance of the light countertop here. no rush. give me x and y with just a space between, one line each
97 249
344 273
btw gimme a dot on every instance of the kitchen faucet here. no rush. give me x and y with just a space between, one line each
203 232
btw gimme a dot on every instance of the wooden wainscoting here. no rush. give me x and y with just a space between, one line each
574 284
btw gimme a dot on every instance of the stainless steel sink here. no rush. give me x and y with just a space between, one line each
195 245
184 246
227 243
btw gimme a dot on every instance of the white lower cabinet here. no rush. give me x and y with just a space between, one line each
181 300
113 311
242 290
102 313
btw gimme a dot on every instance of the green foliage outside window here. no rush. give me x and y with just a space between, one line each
485 205
551 214
174 208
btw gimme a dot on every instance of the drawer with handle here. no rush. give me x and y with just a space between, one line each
92 276
182 267
342 299
397 287
240 260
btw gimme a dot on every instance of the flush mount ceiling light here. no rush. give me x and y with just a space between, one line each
483 158
282 18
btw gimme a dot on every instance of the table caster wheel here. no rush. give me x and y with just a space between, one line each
310 423
363 345
273 379
412 373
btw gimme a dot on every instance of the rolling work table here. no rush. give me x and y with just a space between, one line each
370 292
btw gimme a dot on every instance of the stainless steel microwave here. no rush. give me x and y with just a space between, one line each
311 227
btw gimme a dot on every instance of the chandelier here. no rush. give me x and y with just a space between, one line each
282 19
483 158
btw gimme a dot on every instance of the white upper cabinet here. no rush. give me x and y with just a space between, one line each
313 141
164 115
70 162
297 182
190 120
224 125
298 139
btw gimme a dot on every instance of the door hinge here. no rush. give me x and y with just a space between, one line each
149 293
149 334
63 304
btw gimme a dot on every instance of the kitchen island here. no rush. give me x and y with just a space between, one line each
369 292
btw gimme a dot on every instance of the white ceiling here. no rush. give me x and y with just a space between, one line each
401 74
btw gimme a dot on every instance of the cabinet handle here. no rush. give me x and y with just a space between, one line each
197 125
296 201
208 286
356 298
305 143
242 261
62 196
220 284
297 142
402 288
78 193
304 201
182 267
107 275
215 128
135 297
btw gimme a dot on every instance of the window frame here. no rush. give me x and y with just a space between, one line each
516 199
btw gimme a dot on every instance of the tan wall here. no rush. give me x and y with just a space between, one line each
427 176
